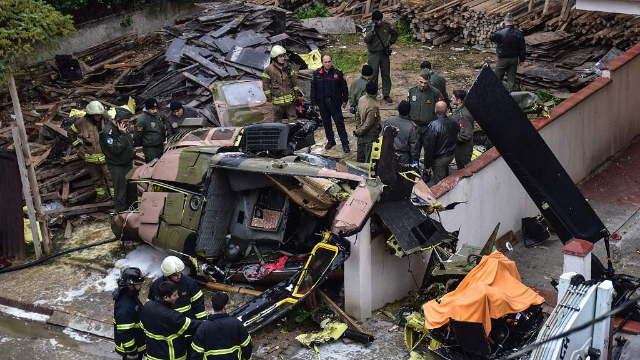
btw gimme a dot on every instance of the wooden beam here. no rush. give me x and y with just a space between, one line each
31 173
65 191
81 209
530 6
26 190
338 311
546 7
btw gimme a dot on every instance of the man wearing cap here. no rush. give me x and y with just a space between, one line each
437 81
464 149
150 131
423 99
379 35
368 124
118 149
358 87
330 94
511 48
443 135
178 113
406 142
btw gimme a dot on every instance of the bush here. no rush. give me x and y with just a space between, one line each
310 11
405 33
28 28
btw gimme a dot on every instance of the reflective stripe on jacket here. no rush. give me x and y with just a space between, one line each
279 85
165 331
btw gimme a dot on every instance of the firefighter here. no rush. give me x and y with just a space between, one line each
165 329
221 337
127 334
280 85
85 134
191 301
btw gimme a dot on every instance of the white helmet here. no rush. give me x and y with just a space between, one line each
171 265
94 108
277 50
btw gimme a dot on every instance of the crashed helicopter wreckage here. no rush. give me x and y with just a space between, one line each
246 205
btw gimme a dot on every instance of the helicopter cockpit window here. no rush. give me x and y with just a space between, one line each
243 94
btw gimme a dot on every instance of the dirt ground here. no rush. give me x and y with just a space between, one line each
459 64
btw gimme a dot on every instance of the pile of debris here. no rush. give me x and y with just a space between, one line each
227 41
473 21
363 8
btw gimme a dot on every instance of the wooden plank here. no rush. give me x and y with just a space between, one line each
338 311
62 132
66 186
111 60
68 230
81 209
36 161
26 190
195 56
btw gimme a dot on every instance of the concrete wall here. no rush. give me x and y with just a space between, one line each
583 132
614 6
151 18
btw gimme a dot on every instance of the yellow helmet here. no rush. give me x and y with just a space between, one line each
171 265
94 108
277 50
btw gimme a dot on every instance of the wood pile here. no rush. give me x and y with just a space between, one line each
473 21
362 9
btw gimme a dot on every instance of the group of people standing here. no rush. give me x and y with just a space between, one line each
173 323
106 140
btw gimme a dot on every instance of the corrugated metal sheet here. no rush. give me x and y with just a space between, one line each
11 203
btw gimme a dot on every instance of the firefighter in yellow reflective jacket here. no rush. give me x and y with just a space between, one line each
280 85
221 337
127 335
191 299
165 329
85 135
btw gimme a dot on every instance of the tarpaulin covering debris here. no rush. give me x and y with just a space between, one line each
491 290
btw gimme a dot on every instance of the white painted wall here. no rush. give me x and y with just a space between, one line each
614 6
583 138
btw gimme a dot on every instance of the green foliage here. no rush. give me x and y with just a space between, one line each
349 61
310 11
544 97
28 28
68 7
405 33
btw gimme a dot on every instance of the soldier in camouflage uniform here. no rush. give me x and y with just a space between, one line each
367 122
358 87
178 113
379 36
437 81
406 141
280 85
464 148
85 133
423 99
117 146
150 131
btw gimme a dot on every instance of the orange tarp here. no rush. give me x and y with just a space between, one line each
491 290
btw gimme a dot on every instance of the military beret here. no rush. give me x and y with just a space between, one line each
425 74
175 105
150 103
371 88
377 15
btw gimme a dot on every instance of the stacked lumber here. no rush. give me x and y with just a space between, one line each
473 21
362 9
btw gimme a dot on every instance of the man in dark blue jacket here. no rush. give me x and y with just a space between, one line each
221 337
510 48
329 92
127 334
165 328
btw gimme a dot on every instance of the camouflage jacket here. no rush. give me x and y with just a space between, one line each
423 104
368 117
116 146
85 134
279 85
149 130
373 34
465 121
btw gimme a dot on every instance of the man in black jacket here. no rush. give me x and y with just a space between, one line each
165 328
511 48
443 136
329 92
127 334
221 337
190 298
